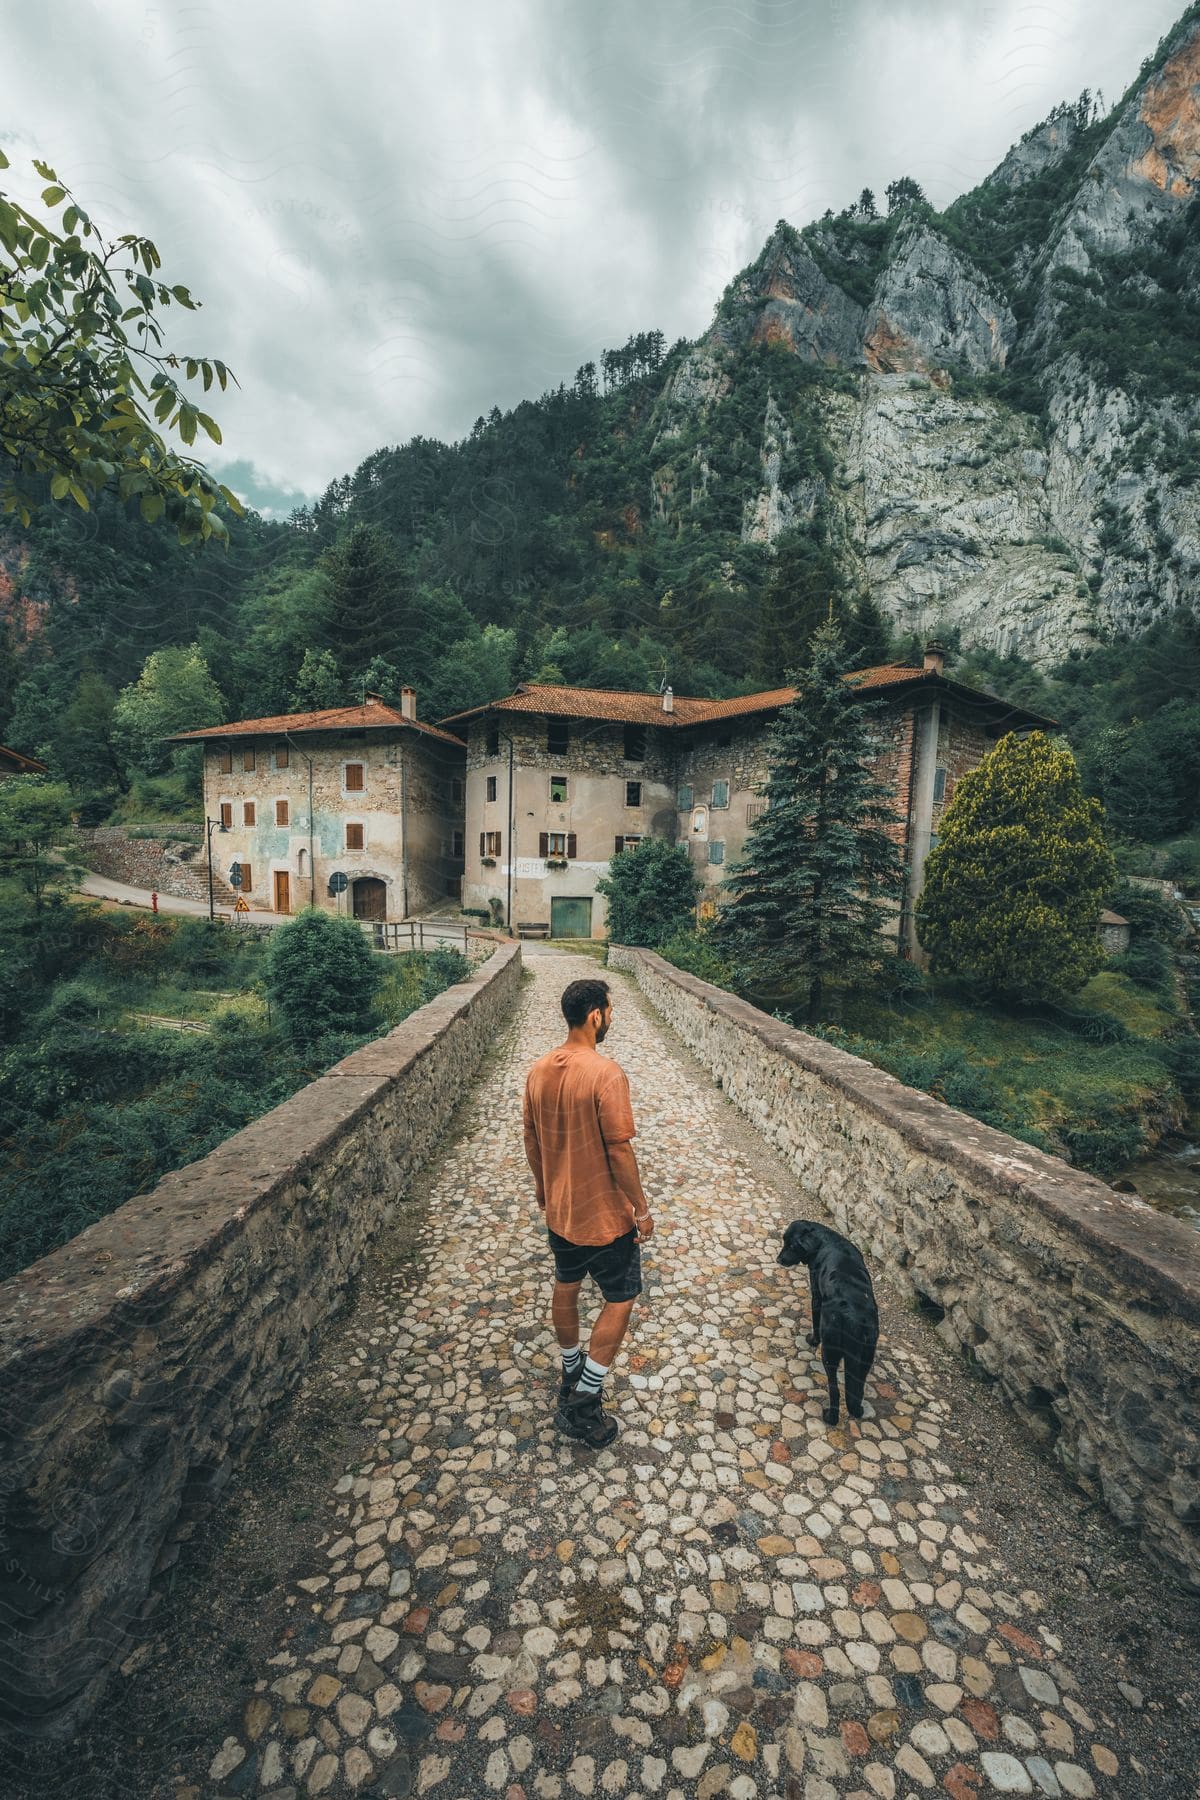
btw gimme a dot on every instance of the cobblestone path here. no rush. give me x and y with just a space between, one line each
732 1600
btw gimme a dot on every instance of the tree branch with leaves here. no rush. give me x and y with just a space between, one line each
80 401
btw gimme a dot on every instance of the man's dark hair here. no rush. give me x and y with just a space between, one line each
583 997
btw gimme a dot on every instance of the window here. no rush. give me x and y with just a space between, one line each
247 812
699 821
355 835
493 740
635 743
489 843
354 778
248 758
716 850
227 813
456 843
720 793
633 793
626 843
456 793
556 843
939 786
281 756
557 737
247 881
491 788
683 796
281 812
558 790
755 810
225 761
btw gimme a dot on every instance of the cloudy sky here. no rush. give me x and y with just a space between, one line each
398 215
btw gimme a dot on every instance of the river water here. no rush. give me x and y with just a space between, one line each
1170 1180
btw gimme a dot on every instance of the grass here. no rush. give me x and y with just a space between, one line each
1088 1081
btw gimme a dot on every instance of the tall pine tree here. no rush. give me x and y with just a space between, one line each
808 900
370 602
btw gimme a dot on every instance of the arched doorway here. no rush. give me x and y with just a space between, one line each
370 897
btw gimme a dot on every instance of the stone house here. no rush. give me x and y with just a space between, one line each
369 793
559 780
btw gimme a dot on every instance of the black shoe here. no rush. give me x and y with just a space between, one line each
568 1383
584 1420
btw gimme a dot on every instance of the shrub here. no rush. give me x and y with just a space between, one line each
322 975
695 952
651 893
1149 964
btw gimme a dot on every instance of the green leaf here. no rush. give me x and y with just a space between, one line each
3 160
207 378
211 426
9 226
151 506
70 219
79 497
53 196
59 485
186 423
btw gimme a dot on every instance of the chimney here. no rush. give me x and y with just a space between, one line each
408 703
935 657
668 700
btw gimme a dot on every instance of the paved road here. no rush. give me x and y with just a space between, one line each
433 931
733 1600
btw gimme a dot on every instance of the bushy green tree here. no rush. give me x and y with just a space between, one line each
807 902
1014 886
651 893
319 685
322 975
174 692
369 603
35 814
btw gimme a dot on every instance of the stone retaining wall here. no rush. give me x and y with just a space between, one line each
175 865
1083 1303
139 1362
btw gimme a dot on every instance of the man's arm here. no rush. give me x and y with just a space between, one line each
533 1153
623 1164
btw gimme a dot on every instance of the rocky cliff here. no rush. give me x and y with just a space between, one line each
1009 392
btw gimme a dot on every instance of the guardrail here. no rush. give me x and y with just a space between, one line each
416 934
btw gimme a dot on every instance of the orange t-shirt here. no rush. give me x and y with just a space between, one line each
576 1103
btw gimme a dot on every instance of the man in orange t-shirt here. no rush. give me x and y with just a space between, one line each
578 1126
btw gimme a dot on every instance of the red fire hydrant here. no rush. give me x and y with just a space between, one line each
154 902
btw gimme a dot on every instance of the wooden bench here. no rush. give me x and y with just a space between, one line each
534 930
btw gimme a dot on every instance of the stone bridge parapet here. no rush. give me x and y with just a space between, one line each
139 1361
1083 1303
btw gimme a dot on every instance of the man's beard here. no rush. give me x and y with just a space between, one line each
601 1033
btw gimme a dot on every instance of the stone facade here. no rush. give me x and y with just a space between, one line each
141 1360
699 787
1084 1304
397 837
171 865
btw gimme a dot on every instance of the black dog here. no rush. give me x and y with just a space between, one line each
845 1321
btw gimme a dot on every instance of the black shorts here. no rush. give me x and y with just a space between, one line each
615 1268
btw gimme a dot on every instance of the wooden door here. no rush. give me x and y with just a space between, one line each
370 898
570 918
283 891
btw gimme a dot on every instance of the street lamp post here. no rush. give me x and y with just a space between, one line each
220 825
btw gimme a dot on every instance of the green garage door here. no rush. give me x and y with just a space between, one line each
570 918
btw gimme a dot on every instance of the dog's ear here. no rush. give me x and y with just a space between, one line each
801 1239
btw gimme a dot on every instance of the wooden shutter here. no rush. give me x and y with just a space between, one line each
248 758
281 756
570 843
354 837
247 812
227 813
354 777
246 882
225 765
482 851
620 846
281 812
543 843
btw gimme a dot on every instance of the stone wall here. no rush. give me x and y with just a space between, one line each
1083 1303
140 1361
175 864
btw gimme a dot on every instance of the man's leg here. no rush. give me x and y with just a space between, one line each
564 1311
609 1331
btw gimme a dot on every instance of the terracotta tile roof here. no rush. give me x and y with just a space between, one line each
646 709
373 715
26 765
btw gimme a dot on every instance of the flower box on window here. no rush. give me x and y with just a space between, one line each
489 862
557 862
